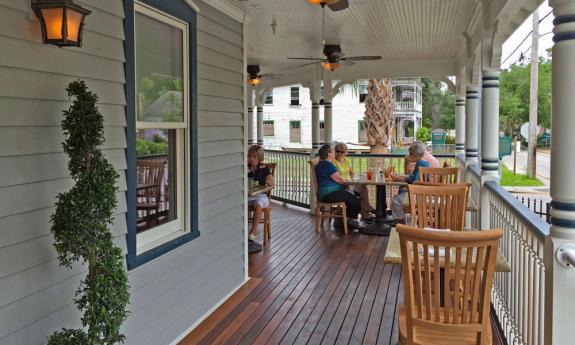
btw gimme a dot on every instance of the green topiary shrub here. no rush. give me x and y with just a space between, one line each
81 222
423 134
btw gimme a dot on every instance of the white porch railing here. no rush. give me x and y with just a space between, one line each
407 105
519 296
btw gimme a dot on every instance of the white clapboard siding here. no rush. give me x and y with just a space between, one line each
222 119
48 113
171 292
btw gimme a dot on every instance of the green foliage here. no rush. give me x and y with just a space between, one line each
434 95
81 222
144 147
151 88
423 134
510 179
514 85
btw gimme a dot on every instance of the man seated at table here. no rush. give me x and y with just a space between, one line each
258 171
418 157
329 184
343 165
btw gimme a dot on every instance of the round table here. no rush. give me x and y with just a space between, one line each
383 222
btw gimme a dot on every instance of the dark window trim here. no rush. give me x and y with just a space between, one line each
183 11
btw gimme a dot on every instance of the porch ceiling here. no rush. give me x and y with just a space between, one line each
414 37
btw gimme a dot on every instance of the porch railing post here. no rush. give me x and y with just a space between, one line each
489 140
471 125
560 280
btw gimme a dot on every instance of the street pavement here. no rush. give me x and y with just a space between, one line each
543 173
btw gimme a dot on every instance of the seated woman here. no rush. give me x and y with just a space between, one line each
343 165
261 173
418 157
329 184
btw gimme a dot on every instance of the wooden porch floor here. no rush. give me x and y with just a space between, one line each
310 288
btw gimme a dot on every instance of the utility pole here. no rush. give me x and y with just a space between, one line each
532 143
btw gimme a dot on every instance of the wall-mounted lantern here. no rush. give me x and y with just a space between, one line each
62 21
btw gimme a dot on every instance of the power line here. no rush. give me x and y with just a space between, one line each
522 54
526 37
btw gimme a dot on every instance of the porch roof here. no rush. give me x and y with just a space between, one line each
433 38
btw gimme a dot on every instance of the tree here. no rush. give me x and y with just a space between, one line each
379 110
514 96
438 105
81 222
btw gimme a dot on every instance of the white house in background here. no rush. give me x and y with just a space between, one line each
287 115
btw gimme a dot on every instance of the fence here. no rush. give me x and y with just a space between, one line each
518 297
292 175
540 208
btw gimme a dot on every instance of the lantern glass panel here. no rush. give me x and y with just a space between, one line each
73 21
53 18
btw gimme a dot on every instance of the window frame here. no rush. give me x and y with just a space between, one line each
272 123
294 98
290 129
269 96
181 11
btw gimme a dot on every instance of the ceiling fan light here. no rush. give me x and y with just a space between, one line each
322 2
330 66
254 81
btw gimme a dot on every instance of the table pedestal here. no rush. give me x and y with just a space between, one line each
383 221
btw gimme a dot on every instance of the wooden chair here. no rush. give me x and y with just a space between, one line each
326 209
266 221
439 175
439 206
465 264
150 176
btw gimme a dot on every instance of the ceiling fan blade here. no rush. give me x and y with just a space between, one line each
275 76
304 58
338 6
362 58
337 55
344 62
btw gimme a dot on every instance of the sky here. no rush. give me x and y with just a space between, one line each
545 40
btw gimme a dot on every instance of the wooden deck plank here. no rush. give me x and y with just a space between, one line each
310 288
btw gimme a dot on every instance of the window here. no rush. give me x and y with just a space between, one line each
362 92
361 134
294 96
270 97
162 185
295 131
268 128
322 131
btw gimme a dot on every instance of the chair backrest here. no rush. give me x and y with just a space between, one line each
312 165
439 175
272 167
150 173
468 262
439 206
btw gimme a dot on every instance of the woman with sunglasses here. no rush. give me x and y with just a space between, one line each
343 165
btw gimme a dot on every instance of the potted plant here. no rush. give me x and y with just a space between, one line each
81 226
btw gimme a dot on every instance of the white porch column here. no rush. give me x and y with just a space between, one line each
327 110
472 125
489 139
260 124
560 280
315 96
250 116
460 125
